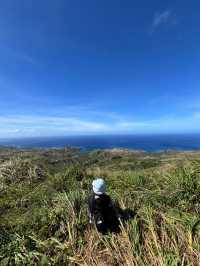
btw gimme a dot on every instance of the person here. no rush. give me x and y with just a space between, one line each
102 212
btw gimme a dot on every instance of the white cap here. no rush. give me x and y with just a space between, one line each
99 186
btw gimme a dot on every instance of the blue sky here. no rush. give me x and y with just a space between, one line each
70 67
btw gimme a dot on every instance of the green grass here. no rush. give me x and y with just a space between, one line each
43 211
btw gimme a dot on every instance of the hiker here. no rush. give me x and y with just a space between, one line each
102 213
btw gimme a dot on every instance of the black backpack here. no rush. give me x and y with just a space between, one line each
103 212
100 207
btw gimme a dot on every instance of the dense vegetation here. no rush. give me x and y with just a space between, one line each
43 210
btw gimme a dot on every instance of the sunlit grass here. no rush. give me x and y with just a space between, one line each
44 216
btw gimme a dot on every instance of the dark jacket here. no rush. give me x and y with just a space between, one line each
102 212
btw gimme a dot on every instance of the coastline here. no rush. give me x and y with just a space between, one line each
141 143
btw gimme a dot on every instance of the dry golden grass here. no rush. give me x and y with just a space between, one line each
51 227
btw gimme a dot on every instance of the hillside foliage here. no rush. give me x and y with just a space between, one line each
43 209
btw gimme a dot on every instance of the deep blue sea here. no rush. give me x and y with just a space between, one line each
150 143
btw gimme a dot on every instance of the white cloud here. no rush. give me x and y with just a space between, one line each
47 125
21 56
130 124
161 18
29 125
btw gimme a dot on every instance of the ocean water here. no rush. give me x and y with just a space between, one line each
150 143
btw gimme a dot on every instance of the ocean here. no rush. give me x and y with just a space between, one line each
149 143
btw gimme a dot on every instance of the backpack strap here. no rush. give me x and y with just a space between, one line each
91 204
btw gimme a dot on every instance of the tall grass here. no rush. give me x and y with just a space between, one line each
46 223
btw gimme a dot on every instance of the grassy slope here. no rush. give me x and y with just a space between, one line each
43 214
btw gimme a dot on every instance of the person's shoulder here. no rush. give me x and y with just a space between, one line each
107 197
90 197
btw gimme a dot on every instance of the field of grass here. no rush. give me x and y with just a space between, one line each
43 210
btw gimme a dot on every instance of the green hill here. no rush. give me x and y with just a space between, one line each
43 210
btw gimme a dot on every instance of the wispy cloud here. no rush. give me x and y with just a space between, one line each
26 58
131 124
29 125
22 56
196 115
162 18
33 125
